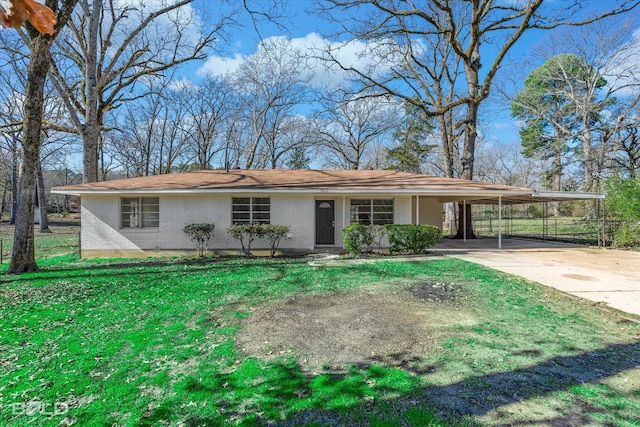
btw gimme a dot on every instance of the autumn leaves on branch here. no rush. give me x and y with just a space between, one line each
13 13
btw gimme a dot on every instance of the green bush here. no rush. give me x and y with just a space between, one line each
200 234
627 235
274 233
247 233
360 238
354 237
377 233
623 204
410 238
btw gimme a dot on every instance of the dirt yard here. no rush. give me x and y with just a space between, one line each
389 325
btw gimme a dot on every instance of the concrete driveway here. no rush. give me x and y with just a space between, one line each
602 275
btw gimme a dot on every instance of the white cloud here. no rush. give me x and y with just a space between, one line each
622 69
324 73
220 65
182 23
181 84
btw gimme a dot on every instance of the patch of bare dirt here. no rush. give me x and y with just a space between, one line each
389 325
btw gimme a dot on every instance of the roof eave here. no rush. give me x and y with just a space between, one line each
573 195
436 193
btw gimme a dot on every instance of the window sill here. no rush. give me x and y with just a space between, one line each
141 230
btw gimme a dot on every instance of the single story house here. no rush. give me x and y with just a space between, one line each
146 215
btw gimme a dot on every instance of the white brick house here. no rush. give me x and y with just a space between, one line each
141 216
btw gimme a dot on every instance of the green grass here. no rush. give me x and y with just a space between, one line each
62 240
153 341
561 228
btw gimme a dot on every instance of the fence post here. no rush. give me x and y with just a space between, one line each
79 246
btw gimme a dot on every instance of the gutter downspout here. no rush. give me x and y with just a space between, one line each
344 213
499 222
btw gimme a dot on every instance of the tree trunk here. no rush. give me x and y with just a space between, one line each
252 153
4 197
468 153
449 152
23 254
90 130
590 206
460 233
42 201
471 67
14 181
557 181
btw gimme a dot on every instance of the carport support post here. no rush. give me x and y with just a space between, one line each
499 222
464 220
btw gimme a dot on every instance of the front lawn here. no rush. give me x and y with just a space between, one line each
276 342
63 239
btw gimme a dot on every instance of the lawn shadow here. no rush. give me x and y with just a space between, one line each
80 271
453 404
479 395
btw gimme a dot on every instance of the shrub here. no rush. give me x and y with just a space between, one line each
359 238
623 204
274 233
627 235
247 233
200 234
377 234
409 238
354 237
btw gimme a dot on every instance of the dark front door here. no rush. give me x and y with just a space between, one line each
325 222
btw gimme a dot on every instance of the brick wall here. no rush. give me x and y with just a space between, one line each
101 232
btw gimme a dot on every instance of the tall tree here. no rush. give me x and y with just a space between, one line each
208 108
298 159
23 252
398 32
270 84
150 136
11 112
349 128
550 118
15 55
293 140
112 47
501 163
412 147
625 156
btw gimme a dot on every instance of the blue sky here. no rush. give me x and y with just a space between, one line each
303 30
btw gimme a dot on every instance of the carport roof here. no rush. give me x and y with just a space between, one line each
541 196
315 181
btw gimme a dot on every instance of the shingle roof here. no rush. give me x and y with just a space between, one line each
325 182
336 181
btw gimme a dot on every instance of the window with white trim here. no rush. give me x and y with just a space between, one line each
140 212
251 210
372 211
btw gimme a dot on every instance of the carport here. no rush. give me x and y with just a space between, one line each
545 197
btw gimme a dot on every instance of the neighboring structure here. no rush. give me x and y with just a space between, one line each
138 216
